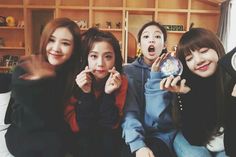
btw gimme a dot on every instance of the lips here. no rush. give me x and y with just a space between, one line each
203 67
55 54
151 48
100 71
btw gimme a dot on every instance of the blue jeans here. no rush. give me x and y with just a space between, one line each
184 149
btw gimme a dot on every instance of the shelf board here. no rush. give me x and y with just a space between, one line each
205 11
108 8
7 27
11 48
40 7
140 9
173 10
73 7
111 29
11 6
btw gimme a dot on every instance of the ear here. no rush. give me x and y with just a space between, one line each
138 45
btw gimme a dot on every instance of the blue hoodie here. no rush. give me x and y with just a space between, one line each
147 110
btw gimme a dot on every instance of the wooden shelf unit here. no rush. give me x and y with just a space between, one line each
129 13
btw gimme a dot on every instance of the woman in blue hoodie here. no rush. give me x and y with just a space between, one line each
147 127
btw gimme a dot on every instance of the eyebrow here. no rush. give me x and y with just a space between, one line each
154 32
63 39
109 52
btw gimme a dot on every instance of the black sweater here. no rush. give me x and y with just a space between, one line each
95 112
37 103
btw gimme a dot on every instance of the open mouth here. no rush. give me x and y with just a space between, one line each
151 48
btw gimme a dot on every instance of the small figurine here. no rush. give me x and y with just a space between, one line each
108 24
10 21
97 25
118 25
81 23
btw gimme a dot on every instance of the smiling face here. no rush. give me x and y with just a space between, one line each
101 58
151 43
60 46
202 62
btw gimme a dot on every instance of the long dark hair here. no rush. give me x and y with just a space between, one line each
72 66
206 92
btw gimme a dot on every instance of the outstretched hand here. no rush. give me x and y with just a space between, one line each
171 84
36 67
156 64
113 82
84 80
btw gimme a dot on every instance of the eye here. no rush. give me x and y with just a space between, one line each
93 56
51 40
157 36
108 57
66 43
204 50
188 58
145 36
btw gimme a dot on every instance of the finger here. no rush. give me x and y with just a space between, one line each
162 83
87 70
175 81
157 61
168 81
183 88
113 70
155 64
117 75
116 82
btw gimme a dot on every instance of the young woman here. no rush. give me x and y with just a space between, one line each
201 99
41 84
147 126
99 98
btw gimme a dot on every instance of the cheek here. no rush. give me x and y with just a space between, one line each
90 64
190 65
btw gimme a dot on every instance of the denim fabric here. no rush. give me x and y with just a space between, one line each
184 149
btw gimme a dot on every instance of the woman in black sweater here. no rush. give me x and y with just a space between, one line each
201 95
41 84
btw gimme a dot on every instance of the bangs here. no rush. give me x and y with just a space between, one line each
194 41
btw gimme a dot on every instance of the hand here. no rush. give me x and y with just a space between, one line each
113 82
36 67
234 91
156 65
170 84
84 80
144 152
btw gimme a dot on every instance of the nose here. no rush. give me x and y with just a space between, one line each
56 47
99 61
152 40
198 59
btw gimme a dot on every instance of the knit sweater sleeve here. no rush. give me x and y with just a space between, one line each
30 93
157 115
